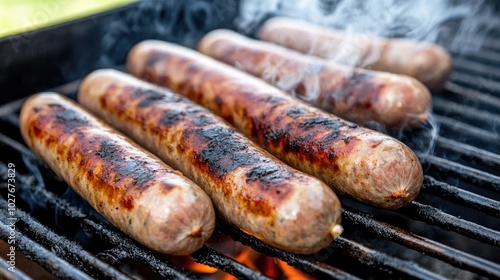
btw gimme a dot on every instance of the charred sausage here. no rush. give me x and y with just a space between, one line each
429 63
355 94
249 187
133 189
365 164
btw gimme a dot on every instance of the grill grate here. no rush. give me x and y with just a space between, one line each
452 230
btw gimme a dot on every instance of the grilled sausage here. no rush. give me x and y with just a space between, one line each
365 164
249 187
429 63
133 189
358 95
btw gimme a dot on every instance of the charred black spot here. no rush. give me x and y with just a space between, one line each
154 57
218 101
223 153
173 117
361 89
130 167
109 151
135 169
268 174
294 145
273 99
356 77
275 135
192 69
154 96
202 120
332 136
296 112
321 122
70 119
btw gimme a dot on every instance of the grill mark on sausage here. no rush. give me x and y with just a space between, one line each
153 96
125 166
221 154
296 112
70 119
174 116
202 120
270 176
321 122
153 57
361 90
120 177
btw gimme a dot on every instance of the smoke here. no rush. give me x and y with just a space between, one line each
450 23
182 22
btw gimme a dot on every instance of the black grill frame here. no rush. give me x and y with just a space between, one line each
471 181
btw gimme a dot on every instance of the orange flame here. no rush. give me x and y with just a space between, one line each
188 263
268 266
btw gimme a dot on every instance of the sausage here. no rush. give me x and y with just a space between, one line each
359 95
250 188
429 63
367 165
133 189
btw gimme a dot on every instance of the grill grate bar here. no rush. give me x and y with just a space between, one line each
369 257
218 260
468 134
483 55
466 114
486 42
381 261
476 81
161 266
308 264
23 150
434 216
111 235
487 206
47 259
475 67
479 156
115 256
465 95
6 274
480 178
66 249
421 244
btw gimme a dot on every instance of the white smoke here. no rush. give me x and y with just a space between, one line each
445 22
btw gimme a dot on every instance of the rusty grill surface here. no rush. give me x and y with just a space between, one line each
452 230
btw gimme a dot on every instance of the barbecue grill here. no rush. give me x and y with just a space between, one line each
452 230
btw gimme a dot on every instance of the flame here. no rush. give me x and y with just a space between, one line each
290 272
268 266
188 263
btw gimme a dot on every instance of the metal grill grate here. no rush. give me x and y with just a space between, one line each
451 230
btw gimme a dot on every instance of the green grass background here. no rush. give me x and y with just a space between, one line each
17 16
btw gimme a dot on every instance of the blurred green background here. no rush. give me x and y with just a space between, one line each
17 16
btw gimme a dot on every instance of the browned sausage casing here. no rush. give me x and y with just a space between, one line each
429 63
249 187
355 94
365 164
132 188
